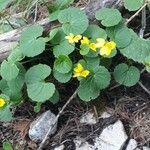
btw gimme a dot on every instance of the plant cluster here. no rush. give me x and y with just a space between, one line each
83 51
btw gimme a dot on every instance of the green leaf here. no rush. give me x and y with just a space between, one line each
58 37
133 5
147 63
108 16
5 114
30 44
37 107
123 37
62 77
15 56
137 50
102 77
9 70
59 4
4 87
7 146
55 98
38 90
88 90
53 32
92 63
64 48
15 85
125 75
92 54
3 4
94 31
54 15
90 87
63 64
71 21
84 49
14 94
37 73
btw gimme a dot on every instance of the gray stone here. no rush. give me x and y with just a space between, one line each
41 125
88 118
146 148
112 137
132 144
105 115
80 144
61 147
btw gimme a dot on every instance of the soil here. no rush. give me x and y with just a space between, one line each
130 105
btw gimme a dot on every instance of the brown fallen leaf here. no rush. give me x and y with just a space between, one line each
21 125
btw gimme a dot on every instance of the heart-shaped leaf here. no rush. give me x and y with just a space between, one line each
74 20
30 44
108 16
38 90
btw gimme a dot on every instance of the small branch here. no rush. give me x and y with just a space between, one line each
132 17
144 88
142 71
56 119
143 22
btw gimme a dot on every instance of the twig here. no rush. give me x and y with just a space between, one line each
143 22
144 88
56 119
35 14
114 87
132 17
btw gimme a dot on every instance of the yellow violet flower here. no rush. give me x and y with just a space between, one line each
107 48
73 38
85 40
93 46
2 102
100 42
79 71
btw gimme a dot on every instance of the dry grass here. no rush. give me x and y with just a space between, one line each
136 112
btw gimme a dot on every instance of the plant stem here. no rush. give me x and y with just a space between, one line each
56 119
132 17
144 88
143 23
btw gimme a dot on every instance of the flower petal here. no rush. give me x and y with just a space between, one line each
2 102
85 73
85 40
93 46
100 42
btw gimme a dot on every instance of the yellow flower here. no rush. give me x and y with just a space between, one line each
100 42
93 46
79 71
85 40
107 48
2 102
73 38
77 38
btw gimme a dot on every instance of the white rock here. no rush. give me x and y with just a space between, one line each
61 147
112 137
146 148
132 144
88 118
41 125
105 115
80 144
